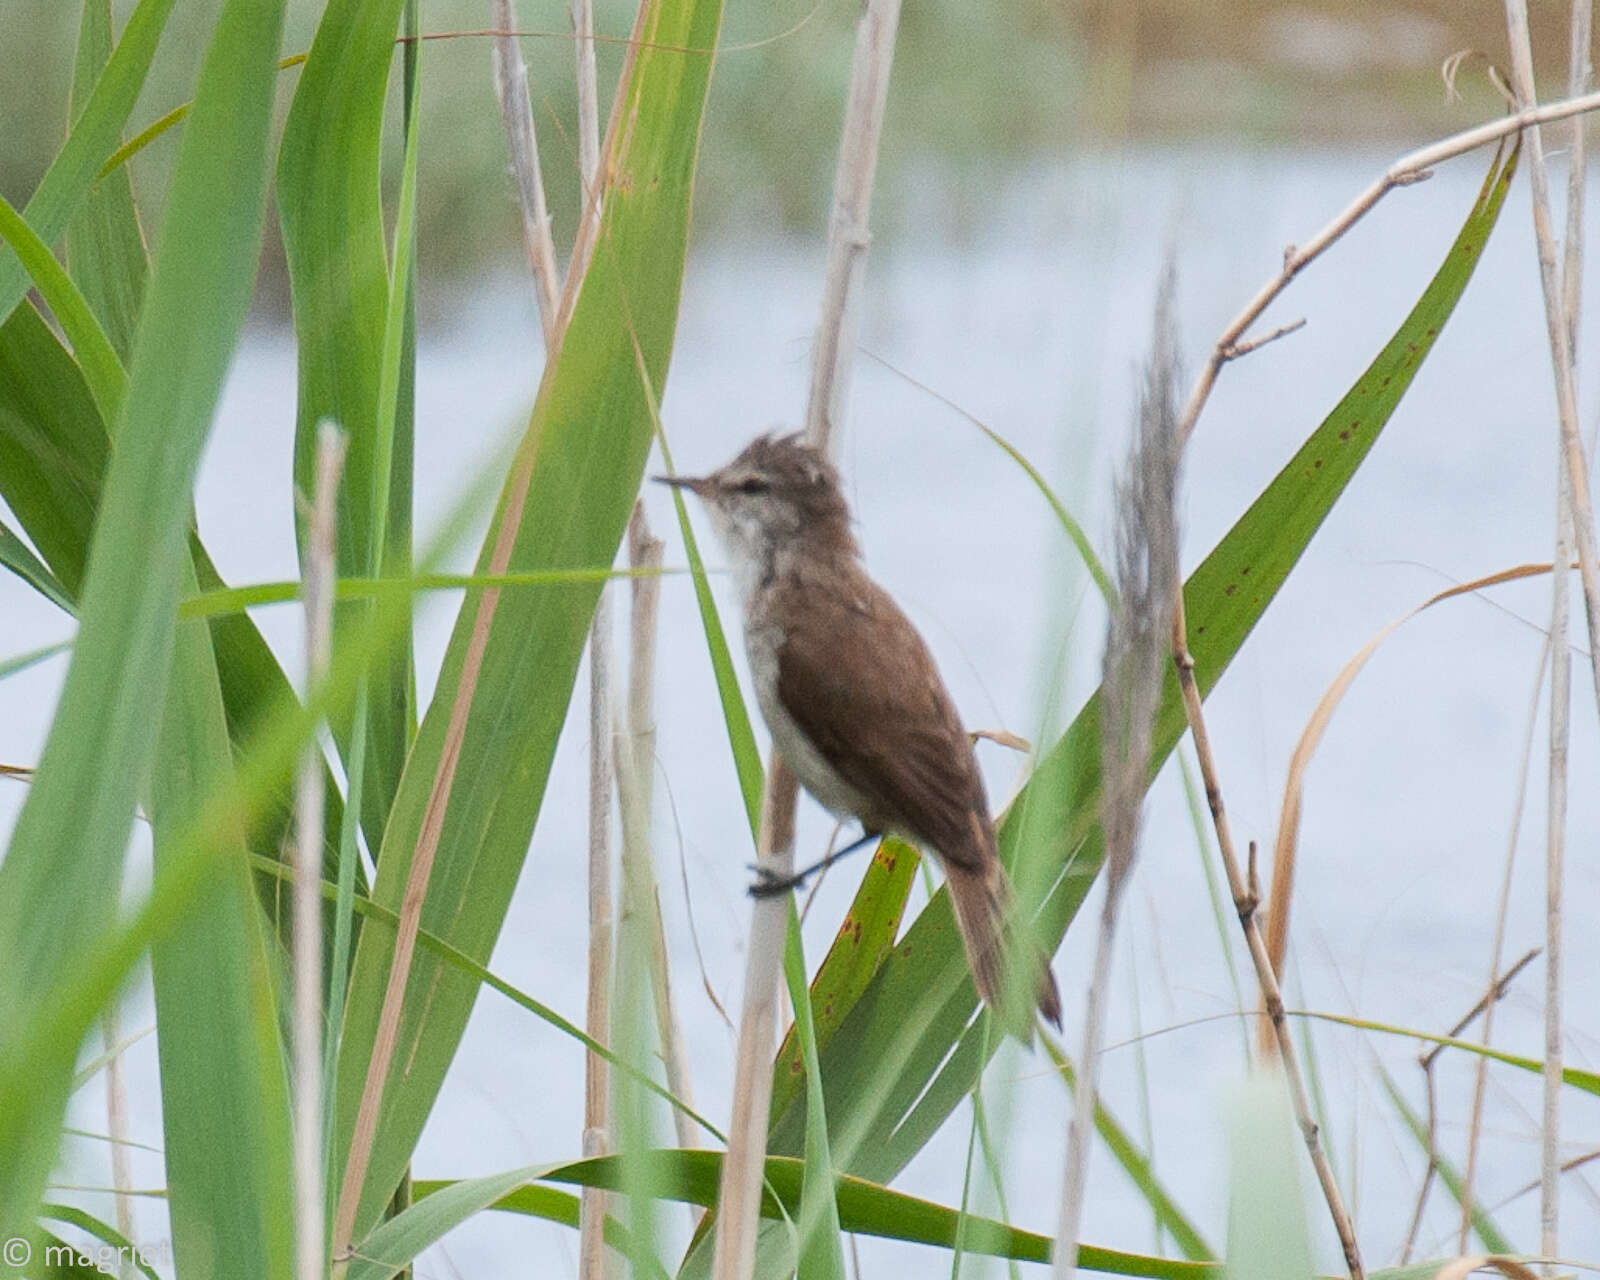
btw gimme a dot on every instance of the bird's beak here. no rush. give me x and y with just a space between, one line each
694 484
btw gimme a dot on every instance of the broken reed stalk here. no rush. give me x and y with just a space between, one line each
516 117
739 1195
1245 901
1574 523
310 1194
635 777
596 1086
1410 168
1147 583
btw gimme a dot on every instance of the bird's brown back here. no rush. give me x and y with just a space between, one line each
858 680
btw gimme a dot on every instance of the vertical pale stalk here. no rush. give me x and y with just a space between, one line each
311 1249
1560 679
117 1121
596 1121
849 233
739 1199
602 758
588 95
635 778
739 1202
1561 350
516 116
1574 522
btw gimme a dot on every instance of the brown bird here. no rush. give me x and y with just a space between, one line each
854 702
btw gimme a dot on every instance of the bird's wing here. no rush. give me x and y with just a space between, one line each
859 682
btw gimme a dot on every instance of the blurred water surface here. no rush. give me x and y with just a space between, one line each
1037 325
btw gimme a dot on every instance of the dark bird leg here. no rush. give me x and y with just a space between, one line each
768 885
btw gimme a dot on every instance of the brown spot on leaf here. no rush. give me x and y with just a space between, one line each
1230 588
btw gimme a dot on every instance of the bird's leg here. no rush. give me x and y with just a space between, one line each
768 885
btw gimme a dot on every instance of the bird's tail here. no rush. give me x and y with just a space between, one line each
996 941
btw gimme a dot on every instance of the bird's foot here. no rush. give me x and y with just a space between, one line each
769 884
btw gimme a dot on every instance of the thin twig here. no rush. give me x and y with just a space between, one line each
311 1261
1410 168
602 768
739 1203
1255 344
1147 584
516 117
1497 949
1246 899
1496 993
1426 1060
1574 522
1577 1162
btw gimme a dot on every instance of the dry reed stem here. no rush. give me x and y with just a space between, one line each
1147 584
849 230
1574 521
588 93
1244 901
1555 850
645 553
602 762
602 770
619 128
117 1122
739 1195
516 117
744 1163
310 1193
1410 168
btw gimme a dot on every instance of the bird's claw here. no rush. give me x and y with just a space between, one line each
769 884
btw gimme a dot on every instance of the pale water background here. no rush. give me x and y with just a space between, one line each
1036 324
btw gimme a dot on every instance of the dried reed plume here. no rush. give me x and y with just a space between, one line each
1136 645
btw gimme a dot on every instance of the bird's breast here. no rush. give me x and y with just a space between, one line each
763 641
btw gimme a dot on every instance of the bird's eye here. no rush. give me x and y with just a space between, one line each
753 484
